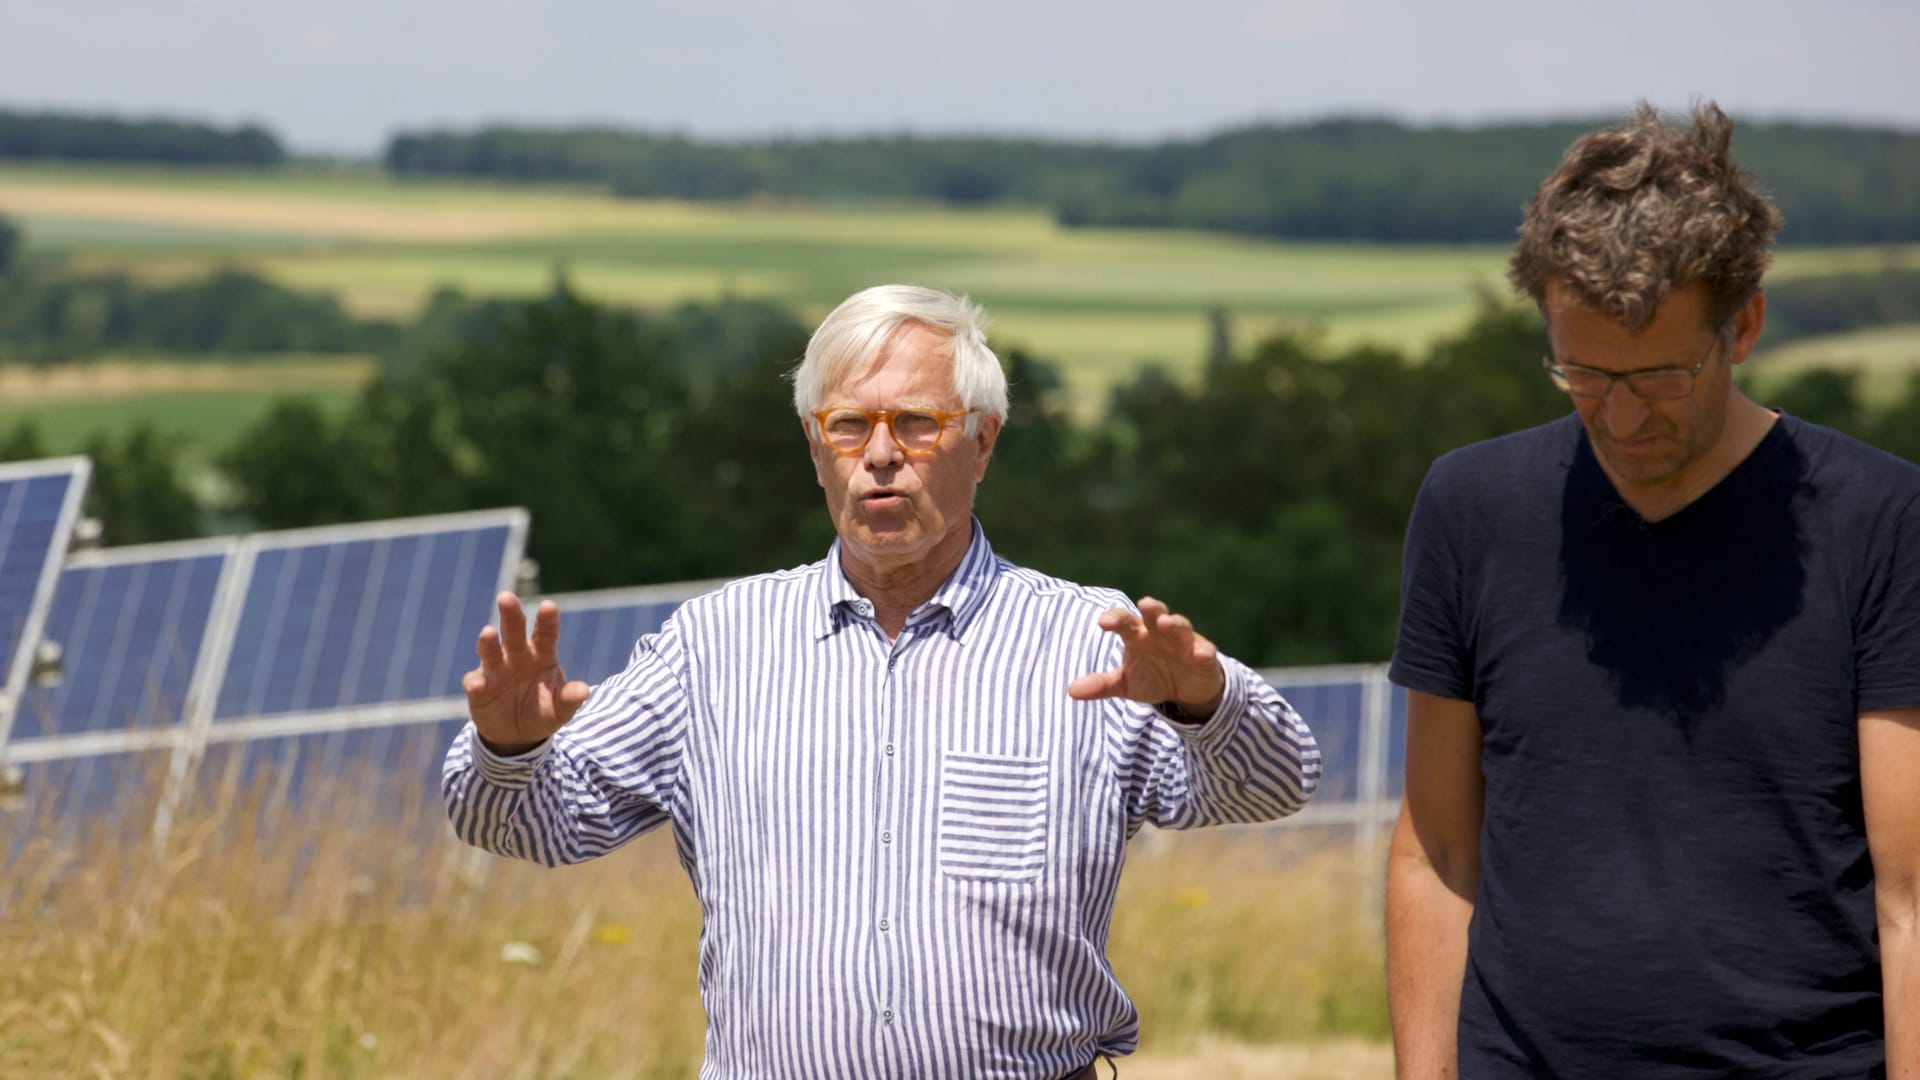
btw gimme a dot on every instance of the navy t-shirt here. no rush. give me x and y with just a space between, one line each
1674 876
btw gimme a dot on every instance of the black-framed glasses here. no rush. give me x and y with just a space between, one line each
1647 384
914 431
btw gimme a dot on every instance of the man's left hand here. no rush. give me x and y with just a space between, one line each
1163 661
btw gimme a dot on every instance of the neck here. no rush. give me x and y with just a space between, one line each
1746 424
898 589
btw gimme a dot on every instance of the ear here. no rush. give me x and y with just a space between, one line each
1746 326
984 437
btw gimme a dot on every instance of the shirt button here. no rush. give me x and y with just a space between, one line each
889 749
884 925
886 838
887 1015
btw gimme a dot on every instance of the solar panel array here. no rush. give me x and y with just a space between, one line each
270 666
268 658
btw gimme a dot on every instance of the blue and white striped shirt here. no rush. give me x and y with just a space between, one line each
906 850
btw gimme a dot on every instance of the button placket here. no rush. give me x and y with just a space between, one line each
887 807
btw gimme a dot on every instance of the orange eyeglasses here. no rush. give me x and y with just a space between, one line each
915 431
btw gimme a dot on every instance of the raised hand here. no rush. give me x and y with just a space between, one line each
1163 660
518 696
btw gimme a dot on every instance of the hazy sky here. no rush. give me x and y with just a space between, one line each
341 76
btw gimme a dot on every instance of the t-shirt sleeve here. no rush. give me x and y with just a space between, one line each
1887 656
1432 652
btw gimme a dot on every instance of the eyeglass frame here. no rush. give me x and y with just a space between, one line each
1557 369
876 417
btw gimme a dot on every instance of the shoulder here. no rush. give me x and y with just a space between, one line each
756 596
1493 467
1842 466
1865 499
1499 484
1037 602
1859 492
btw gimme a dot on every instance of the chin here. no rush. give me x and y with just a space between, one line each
1646 472
888 541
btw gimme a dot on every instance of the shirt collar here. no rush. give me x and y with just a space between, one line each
955 604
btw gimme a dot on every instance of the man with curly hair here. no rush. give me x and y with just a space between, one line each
1663 664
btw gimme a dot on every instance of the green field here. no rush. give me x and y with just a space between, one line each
204 404
205 419
1097 302
1885 356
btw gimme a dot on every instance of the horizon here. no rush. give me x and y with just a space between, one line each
298 152
343 79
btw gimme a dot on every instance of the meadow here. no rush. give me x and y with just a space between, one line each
207 403
1099 303
348 935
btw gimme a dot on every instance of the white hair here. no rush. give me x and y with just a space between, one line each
866 322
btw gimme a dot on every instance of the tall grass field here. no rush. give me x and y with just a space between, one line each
344 933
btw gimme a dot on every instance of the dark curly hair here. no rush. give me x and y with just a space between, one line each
1637 210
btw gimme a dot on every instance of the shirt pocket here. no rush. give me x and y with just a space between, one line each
993 817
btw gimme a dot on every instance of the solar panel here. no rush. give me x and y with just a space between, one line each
39 503
59 798
1396 743
378 773
353 616
598 628
1335 713
130 623
345 643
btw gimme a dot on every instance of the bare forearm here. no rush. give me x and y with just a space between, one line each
1900 975
1426 961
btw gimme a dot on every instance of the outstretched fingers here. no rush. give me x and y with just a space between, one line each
1164 658
1131 629
546 633
1100 684
569 699
1167 629
492 656
513 630
511 659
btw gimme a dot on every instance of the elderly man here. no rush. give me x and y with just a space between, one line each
902 778
1663 661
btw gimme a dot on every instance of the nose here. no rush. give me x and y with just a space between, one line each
881 451
1623 411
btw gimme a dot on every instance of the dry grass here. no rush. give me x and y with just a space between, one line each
265 938
21 384
253 211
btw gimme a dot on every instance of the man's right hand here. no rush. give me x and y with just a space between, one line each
518 696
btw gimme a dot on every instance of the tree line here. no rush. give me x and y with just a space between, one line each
73 136
1266 498
1334 179
51 315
